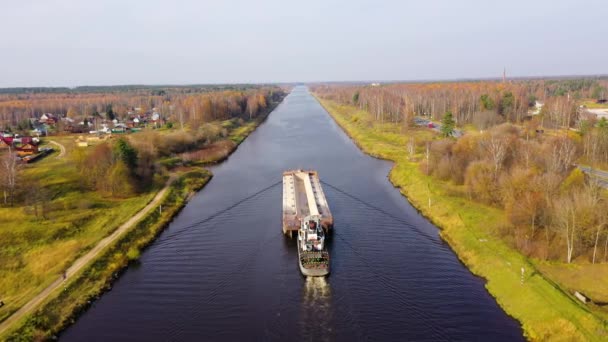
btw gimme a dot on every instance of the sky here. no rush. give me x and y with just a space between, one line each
76 42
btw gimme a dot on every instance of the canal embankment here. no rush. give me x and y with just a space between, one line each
544 310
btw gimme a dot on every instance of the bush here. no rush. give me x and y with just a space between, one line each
480 182
133 254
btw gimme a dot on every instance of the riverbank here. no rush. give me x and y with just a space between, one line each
81 289
62 307
544 311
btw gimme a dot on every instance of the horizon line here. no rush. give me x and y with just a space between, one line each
381 81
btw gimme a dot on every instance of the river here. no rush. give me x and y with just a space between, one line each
235 277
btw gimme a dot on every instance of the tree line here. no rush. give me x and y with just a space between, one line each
512 161
174 104
483 104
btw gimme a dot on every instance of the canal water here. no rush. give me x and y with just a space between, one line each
235 277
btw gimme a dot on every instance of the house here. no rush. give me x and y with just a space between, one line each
67 120
38 131
104 128
75 129
6 142
134 122
26 146
48 119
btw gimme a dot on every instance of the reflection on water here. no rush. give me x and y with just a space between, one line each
317 314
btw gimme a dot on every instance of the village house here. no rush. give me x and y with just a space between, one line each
49 119
26 146
22 145
6 141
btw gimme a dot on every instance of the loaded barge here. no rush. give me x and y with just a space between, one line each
306 212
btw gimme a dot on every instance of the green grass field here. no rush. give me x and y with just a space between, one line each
34 251
64 306
545 312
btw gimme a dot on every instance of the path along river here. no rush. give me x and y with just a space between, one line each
234 276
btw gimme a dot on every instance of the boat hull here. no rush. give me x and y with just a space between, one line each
311 272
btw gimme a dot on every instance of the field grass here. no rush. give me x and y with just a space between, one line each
593 105
34 251
544 310
590 279
65 306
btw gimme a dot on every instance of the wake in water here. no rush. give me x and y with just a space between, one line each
317 312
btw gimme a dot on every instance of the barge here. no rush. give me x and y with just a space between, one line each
306 212
302 197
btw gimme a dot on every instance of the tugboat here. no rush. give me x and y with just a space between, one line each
313 258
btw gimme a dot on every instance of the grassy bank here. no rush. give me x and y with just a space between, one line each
544 310
64 307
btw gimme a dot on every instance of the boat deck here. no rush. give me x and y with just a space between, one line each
303 196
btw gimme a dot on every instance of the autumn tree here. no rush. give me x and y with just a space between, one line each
252 106
10 175
481 183
496 147
119 180
562 152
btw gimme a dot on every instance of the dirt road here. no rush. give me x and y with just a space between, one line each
83 261
61 148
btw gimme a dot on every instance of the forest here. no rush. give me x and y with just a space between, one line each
509 157
180 105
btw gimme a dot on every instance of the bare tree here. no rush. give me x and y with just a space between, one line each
427 155
10 168
597 237
496 147
38 199
562 155
411 148
565 212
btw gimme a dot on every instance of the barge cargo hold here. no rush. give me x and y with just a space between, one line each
302 197
306 212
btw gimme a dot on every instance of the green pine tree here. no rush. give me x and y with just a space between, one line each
447 124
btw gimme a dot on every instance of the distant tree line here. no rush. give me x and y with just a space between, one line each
483 104
184 105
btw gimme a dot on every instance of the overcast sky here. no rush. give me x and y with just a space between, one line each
75 42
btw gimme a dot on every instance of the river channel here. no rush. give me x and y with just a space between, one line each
234 276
